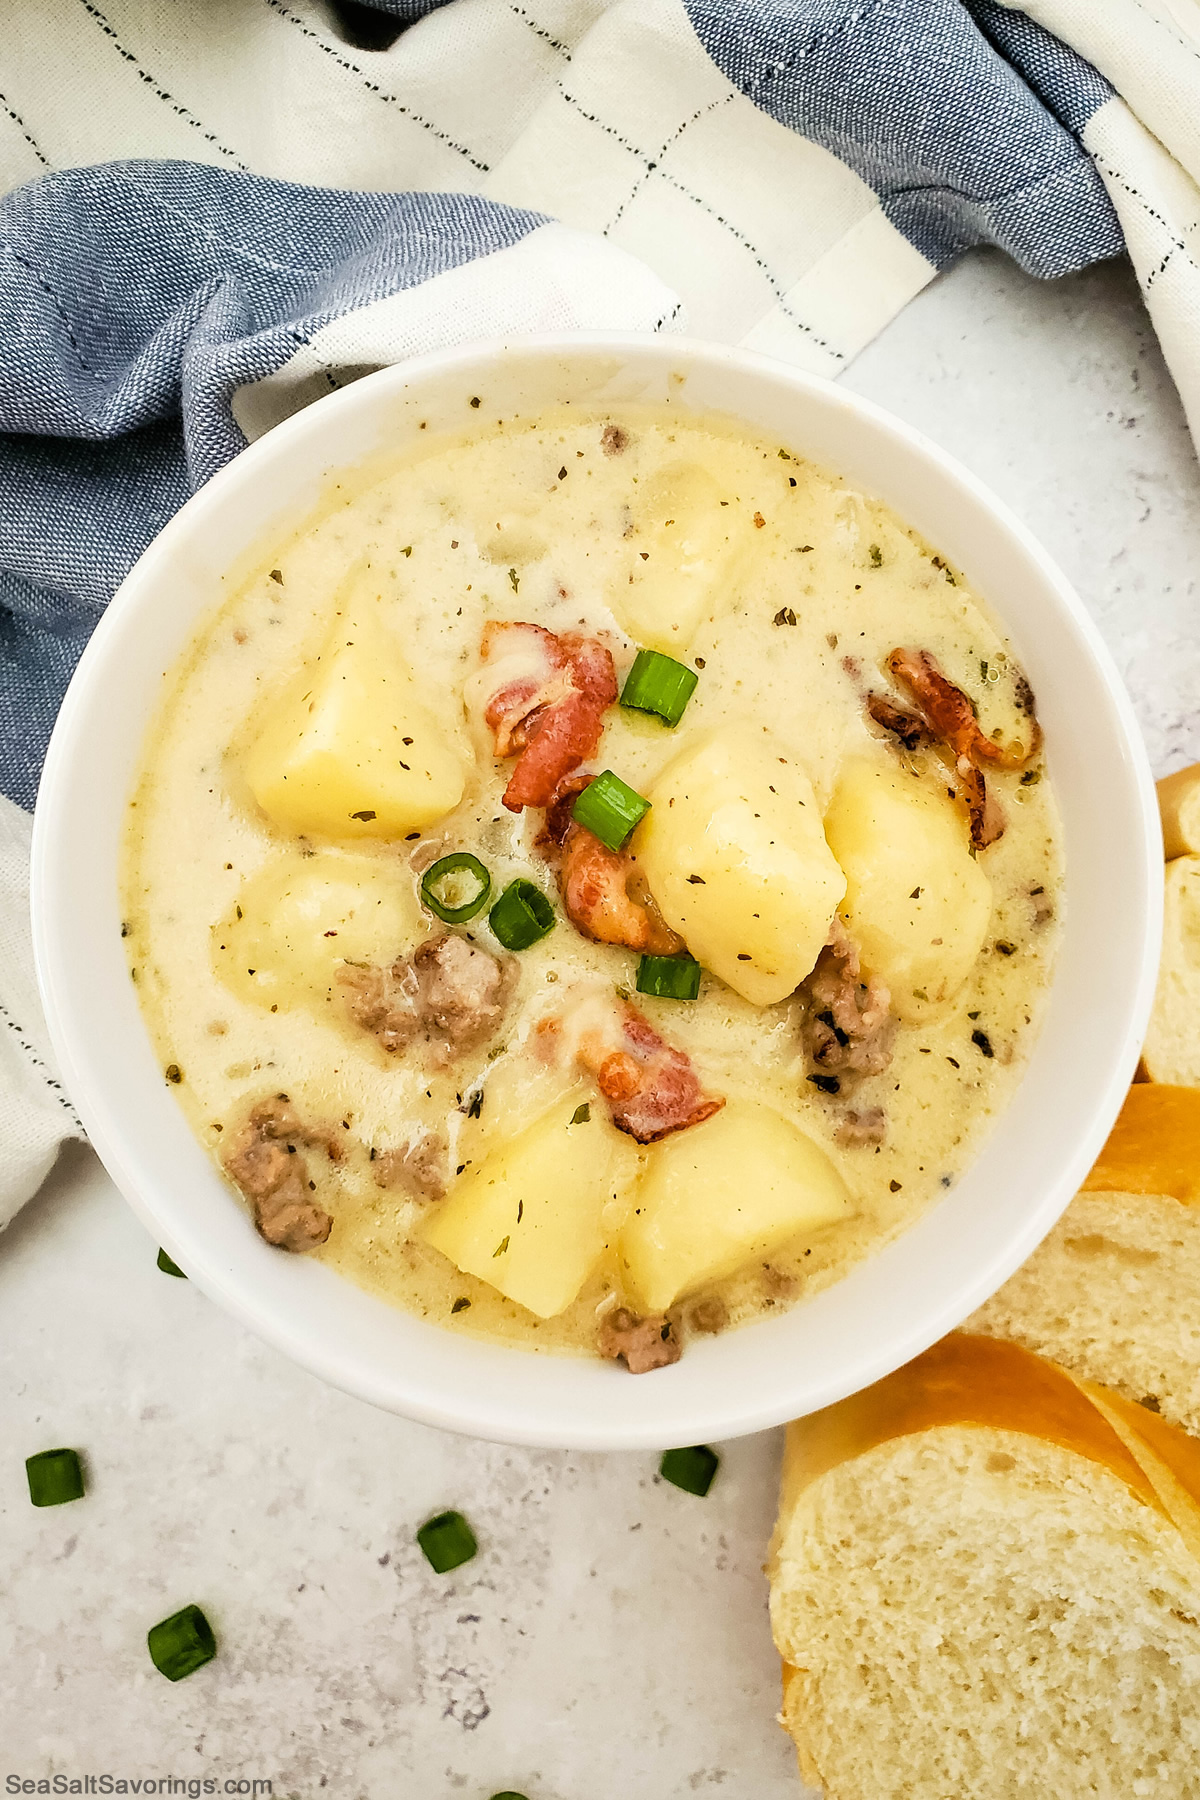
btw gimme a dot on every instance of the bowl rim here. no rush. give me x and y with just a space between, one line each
110 1134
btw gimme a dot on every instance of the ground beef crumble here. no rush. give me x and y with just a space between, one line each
265 1161
641 1343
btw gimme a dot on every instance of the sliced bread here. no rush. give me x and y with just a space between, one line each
985 1586
1114 1291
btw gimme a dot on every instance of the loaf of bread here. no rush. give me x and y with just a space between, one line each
985 1585
1114 1291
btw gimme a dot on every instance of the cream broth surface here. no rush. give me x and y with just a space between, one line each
812 587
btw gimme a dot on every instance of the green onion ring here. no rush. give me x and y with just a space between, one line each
459 862
521 915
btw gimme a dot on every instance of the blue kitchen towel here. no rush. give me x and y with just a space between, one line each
782 173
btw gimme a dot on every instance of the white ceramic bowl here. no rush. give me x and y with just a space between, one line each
885 1311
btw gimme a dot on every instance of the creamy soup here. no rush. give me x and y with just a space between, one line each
595 882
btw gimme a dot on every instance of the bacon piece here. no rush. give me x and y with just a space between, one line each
596 882
909 727
651 1087
592 879
947 716
548 708
984 810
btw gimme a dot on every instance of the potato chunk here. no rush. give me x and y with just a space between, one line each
917 903
348 749
532 1219
299 917
735 855
739 1186
1172 1049
685 543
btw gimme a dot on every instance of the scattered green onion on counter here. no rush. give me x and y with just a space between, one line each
521 916
610 809
181 1644
669 977
168 1267
658 684
447 1541
692 1470
54 1477
456 887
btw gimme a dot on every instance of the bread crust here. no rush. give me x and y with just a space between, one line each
986 1382
1154 1147
1179 810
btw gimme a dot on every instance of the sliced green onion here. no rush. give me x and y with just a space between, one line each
168 1267
692 1470
447 1541
658 684
508 1795
521 915
669 977
447 895
181 1644
54 1477
610 809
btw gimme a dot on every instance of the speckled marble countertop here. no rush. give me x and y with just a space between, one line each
611 1637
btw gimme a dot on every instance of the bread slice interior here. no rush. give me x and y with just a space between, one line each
985 1586
1113 1294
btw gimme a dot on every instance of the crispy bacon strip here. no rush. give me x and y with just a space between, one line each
595 882
651 1087
945 715
909 727
548 707
986 815
949 713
